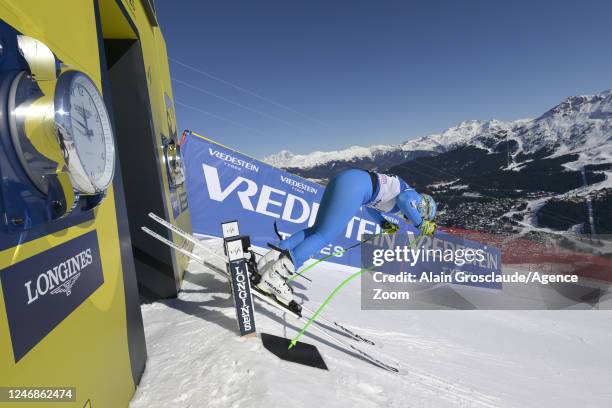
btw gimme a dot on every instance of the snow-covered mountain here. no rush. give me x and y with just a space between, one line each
432 143
538 170
436 143
286 159
580 124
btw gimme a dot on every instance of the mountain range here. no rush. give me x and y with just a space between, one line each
545 172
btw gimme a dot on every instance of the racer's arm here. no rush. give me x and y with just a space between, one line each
407 202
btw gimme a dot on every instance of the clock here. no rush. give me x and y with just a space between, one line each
77 120
84 132
174 163
172 149
57 150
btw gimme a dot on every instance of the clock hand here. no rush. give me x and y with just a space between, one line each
80 123
83 114
88 131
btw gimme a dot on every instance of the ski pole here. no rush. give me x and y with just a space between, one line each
320 309
337 253
335 291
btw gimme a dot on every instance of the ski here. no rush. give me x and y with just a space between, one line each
258 293
354 335
261 296
322 321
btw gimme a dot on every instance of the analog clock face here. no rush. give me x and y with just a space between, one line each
86 133
89 133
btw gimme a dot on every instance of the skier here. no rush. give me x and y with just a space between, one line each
345 193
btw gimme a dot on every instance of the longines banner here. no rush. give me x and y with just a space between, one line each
44 289
223 185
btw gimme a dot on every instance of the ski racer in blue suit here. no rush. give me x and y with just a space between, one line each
342 199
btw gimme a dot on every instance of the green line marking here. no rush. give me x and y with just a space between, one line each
329 298
343 284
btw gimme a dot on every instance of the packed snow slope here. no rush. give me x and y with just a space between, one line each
448 358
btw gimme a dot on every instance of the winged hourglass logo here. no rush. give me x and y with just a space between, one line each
66 287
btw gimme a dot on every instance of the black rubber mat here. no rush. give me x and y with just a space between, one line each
301 353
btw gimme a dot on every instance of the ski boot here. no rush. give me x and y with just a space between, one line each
274 269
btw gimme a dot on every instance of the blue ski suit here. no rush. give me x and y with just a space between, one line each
343 196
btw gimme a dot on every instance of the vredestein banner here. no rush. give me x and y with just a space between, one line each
223 184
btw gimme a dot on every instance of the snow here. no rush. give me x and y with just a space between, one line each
579 125
450 138
443 184
449 358
517 166
470 194
286 159
586 190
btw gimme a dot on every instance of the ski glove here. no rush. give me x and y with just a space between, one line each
389 227
428 227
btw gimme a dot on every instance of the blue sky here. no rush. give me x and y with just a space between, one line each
324 75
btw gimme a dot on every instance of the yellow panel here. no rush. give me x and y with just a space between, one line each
114 23
89 348
67 27
184 219
159 84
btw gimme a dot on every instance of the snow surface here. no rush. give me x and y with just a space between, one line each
449 358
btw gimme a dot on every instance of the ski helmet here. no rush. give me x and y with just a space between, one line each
427 207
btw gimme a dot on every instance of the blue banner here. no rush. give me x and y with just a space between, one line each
441 258
223 184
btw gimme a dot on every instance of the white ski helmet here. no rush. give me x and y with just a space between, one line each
427 207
